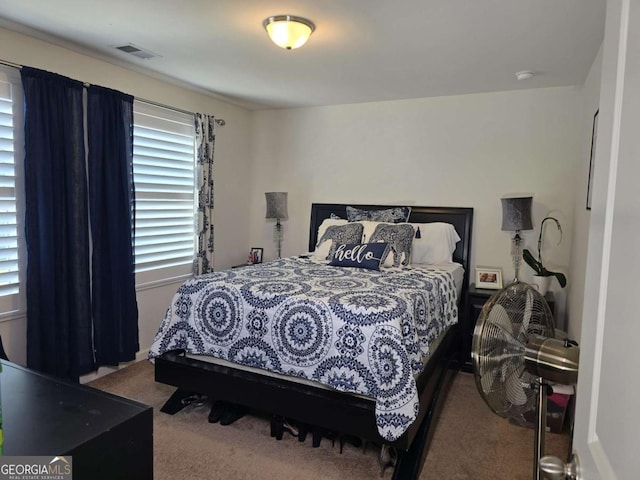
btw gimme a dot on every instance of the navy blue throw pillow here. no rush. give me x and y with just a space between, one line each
363 255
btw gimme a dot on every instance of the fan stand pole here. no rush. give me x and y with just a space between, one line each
540 428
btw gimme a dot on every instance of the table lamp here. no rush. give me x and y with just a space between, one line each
516 216
277 208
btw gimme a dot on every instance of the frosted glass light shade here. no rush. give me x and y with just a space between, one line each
288 31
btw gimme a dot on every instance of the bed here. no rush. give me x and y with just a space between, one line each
401 416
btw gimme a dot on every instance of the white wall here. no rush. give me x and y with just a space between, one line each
466 151
582 216
231 167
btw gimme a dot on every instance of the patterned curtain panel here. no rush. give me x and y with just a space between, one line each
205 143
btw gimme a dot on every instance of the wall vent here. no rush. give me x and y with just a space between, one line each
136 51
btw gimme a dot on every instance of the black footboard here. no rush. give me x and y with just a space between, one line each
328 409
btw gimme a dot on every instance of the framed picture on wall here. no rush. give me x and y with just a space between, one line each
489 277
594 137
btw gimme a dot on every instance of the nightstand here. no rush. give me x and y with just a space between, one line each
476 298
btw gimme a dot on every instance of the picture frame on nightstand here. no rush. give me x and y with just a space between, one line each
255 255
488 277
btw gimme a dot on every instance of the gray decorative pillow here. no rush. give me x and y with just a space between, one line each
341 234
390 215
399 237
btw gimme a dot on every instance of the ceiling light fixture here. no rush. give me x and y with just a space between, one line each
288 31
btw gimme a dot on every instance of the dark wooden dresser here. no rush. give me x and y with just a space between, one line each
108 437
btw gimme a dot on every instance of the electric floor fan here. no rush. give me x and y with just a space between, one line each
515 354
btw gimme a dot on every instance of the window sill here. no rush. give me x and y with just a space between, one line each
11 316
162 282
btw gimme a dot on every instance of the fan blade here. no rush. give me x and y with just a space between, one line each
494 355
526 316
534 318
498 329
502 339
514 391
487 380
497 358
501 336
499 317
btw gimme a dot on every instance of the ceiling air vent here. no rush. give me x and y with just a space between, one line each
131 49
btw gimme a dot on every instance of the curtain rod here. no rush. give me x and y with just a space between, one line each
219 121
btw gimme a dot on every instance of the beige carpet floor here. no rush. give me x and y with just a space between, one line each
470 441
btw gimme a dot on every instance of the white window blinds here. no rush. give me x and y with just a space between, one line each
11 194
164 169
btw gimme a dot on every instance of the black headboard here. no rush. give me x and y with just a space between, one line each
460 218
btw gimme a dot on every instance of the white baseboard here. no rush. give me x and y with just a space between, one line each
102 371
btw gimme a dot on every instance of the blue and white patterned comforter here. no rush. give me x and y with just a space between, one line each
356 330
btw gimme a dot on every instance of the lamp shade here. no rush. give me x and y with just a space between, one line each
276 205
288 31
516 213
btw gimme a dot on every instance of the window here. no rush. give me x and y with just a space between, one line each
164 171
164 176
12 250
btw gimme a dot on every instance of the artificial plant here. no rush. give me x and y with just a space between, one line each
536 264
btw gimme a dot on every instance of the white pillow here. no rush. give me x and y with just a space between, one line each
321 251
436 244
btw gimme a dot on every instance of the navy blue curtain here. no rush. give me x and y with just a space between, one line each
111 194
59 330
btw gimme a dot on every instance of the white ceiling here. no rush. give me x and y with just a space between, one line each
361 51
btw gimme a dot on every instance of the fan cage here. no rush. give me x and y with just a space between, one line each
502 331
